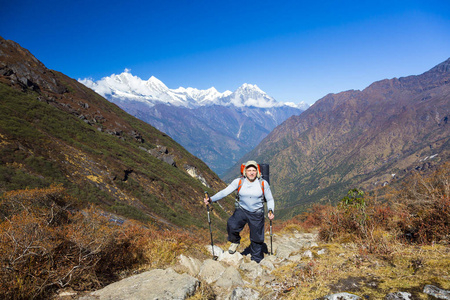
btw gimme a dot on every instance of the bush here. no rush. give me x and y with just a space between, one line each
424 206
419 212
46 244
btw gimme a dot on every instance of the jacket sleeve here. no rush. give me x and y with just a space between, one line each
269 197
226 191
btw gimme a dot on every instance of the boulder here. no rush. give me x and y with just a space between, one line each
252 269
154 284
229 278
191 264
217 250
231 259
211 270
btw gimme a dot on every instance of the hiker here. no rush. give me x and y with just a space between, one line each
252 190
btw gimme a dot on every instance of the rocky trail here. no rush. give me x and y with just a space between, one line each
232 276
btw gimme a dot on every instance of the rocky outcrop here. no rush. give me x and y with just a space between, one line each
162 153
193 171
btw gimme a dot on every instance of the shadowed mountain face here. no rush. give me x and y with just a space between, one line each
218 135
55 130
363 139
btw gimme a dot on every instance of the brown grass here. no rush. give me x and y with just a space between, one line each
45 244
375 248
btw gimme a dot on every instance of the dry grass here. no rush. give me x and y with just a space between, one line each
377 248
45 244
343 268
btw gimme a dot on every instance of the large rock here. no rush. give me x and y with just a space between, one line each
229 278
191 264
211 270
252 269
155 284
231 259
217 250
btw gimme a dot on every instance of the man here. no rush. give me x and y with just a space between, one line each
252 190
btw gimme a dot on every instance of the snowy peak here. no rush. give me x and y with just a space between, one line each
201 97
155 84
251 95
125 86
249 89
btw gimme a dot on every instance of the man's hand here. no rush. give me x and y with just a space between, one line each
207 200
270 215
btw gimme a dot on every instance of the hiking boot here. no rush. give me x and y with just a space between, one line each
233 248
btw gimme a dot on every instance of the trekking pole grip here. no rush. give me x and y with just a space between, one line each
207 196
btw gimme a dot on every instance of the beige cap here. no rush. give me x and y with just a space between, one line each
254 164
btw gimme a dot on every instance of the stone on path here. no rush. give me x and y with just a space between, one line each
398 296
308 253
231 259
341 296
217 250
154 284
240 293
252 269
436 292
191 264
229 278
211 270
267 264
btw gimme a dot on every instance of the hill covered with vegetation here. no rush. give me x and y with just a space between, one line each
56 131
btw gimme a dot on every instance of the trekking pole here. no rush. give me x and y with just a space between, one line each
271 252
210 231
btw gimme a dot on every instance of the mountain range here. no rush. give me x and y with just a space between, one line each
54 130
358 139
126 86
219 128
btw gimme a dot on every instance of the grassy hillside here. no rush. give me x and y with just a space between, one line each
55 130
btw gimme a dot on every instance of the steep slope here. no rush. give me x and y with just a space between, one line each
55 130
360 139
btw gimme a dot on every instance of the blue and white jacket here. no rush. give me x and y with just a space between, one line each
250 194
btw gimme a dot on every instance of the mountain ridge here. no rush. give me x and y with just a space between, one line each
359 139
153 91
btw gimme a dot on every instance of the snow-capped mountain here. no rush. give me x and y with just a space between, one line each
153 91
219 128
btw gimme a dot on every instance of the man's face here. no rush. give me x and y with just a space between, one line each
251 173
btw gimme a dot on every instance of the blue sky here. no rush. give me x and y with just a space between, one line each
293 50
